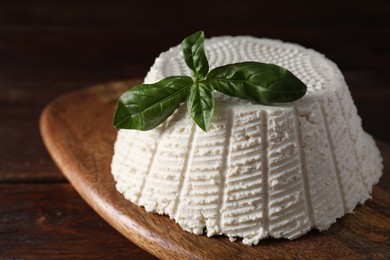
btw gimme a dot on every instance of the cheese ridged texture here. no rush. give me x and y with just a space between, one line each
259 171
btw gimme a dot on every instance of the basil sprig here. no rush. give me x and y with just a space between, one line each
146 106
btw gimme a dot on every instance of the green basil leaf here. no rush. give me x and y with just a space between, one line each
146 106
194 54
259 82
200 104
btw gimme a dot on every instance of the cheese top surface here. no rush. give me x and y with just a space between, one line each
258 171
318 73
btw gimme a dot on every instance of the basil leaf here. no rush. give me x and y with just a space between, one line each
259 82
200 104
194 54
146 106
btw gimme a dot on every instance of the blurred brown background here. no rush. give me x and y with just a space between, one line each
48 48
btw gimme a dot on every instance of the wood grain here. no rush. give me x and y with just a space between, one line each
51 221
80 140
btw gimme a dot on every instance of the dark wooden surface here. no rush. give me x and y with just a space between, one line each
48 48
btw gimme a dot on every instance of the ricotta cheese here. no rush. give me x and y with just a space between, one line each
260 171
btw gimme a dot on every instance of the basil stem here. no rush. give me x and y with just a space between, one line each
146 106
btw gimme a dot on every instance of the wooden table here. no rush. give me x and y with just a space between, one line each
48 48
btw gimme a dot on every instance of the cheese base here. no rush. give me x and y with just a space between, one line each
259 171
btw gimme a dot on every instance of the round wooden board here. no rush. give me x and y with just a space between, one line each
77 131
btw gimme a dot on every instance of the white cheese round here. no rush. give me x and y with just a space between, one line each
259 171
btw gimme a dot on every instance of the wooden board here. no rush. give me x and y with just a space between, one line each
77 131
